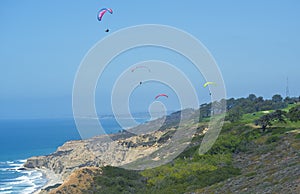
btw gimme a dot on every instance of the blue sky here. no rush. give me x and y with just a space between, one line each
255 43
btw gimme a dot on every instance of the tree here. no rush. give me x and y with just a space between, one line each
260 99
234 114
277 102
278 115
252 97
294 114
263 121
277 98
288 100
266 120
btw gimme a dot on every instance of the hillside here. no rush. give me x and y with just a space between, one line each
246 158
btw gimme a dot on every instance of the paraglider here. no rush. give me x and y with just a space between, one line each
209 83
160 95
139 67
101 14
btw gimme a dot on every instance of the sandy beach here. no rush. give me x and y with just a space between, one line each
53 179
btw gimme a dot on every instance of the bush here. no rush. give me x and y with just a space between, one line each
294 114
118 180
273 138
225 144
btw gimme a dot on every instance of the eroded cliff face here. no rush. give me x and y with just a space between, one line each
71 155
114 150
97 152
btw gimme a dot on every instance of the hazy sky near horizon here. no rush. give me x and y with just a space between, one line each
256 45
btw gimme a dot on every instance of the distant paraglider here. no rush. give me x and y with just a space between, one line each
208 83
101 14
140 67
160 95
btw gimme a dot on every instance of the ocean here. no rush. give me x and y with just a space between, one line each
24 138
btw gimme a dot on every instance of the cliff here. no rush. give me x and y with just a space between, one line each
125 147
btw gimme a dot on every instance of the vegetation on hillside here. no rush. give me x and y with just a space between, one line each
253 125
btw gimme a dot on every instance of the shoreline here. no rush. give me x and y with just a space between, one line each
27 180
52 179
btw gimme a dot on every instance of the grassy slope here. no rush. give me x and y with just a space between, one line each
190 171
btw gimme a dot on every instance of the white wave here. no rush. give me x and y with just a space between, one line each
21 183
6 188
6 162
33 175
21 178
13 168
27 182
22 160
30 175
4 169
28 190
6 192
15 165
28 172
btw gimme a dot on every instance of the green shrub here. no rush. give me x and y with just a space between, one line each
225 144
118 180
273 138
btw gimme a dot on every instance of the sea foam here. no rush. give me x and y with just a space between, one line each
13 180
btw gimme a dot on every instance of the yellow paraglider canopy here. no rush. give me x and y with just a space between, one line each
209 83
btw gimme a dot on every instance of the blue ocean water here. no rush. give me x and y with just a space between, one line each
24 138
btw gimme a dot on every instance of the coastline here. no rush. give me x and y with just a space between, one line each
38 180
52 179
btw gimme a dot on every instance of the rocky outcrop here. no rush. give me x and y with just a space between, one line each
68 157
80 181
